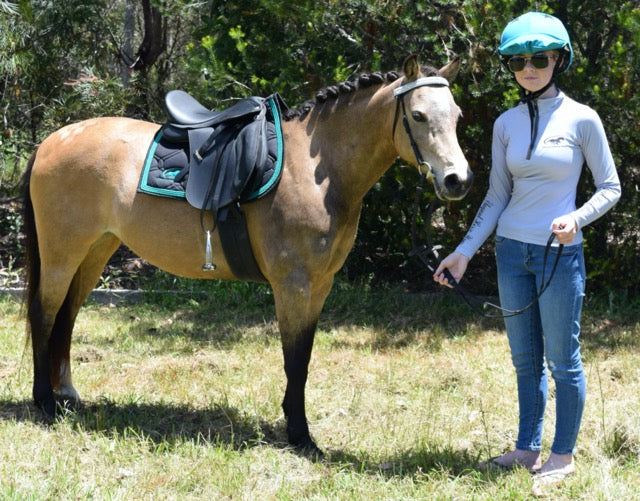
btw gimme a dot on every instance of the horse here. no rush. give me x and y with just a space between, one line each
81 203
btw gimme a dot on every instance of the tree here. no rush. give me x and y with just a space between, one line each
64 61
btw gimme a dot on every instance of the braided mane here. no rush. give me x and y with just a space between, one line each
362 81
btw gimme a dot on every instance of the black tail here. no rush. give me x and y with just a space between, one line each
32 255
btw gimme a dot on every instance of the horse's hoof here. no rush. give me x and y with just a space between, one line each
310 450
47 405
68 404
67 398
67 393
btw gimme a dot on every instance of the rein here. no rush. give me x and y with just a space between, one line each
430 257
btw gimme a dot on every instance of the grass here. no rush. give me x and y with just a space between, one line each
406 395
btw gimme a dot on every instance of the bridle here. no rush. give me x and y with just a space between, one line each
399 94
430 257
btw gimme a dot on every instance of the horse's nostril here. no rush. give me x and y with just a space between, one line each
451 181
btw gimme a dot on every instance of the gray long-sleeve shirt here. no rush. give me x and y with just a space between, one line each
525 196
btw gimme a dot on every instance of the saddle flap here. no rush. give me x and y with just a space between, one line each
226 168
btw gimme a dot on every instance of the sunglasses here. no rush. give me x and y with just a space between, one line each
538 61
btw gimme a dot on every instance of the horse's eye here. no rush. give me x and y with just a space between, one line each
418 116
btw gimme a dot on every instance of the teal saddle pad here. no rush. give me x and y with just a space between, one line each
167 164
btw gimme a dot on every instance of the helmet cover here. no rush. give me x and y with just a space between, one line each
536 32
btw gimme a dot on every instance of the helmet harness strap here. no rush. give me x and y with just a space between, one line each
531 99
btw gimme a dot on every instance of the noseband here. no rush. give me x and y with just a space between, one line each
399 94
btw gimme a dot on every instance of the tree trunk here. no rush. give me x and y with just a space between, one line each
153 44
127 37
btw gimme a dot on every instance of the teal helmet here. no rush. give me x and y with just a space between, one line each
536 32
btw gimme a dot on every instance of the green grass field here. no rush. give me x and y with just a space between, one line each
406 395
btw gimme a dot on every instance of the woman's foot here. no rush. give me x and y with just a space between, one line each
517 458
558 463
555 469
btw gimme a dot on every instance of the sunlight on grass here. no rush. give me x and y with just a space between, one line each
406 395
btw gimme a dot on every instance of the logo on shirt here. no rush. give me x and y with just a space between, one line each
557 141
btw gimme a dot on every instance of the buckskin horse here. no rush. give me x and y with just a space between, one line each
81 203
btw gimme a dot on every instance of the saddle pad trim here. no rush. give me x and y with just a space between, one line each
280 159
145 173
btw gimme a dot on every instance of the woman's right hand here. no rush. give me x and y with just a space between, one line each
456 263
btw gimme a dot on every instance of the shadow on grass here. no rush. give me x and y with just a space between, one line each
426 460
397 318
161 426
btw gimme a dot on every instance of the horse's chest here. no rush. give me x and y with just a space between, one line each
335 240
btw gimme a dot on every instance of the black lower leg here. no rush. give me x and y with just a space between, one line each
42 389
296 364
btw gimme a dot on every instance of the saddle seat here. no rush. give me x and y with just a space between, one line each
184 110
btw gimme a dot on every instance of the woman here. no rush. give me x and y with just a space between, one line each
538 151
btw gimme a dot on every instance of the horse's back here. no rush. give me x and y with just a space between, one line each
91 144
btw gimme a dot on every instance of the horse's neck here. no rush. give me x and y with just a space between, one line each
354 140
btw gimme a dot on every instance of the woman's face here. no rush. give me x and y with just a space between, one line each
532 78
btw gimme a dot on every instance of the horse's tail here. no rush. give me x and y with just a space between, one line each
32 254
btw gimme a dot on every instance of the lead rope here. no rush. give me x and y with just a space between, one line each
430 257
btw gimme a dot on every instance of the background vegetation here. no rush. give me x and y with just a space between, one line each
61 62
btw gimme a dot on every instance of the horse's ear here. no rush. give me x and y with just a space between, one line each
450 71
411 67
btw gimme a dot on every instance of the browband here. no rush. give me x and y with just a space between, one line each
420 82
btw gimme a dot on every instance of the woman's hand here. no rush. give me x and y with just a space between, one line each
564 228
456 263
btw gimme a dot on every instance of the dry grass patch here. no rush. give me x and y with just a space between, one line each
406 395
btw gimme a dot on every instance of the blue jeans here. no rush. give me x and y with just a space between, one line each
548 330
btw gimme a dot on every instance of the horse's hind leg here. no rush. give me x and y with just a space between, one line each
46 315
63 287
81 286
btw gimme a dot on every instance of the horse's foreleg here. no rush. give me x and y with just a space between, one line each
298 308
297 354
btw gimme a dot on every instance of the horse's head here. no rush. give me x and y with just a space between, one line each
427 136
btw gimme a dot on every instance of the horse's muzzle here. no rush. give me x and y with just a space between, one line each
456 187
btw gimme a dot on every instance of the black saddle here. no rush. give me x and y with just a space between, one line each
225 147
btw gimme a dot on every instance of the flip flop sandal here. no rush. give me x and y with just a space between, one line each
550 478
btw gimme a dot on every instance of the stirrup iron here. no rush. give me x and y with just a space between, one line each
208 264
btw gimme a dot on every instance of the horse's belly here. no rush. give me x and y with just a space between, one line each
168 234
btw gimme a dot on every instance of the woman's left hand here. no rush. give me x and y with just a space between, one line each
564 228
